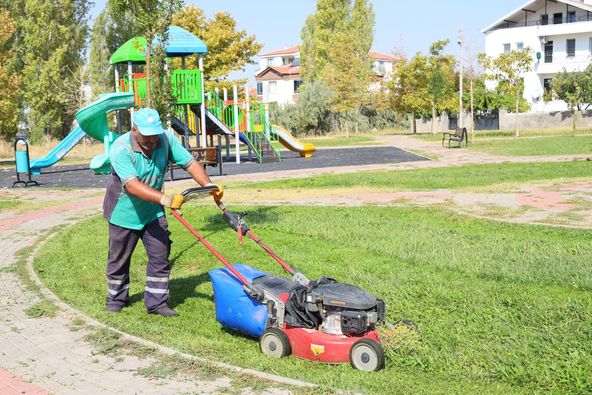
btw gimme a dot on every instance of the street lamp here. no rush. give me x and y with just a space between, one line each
460 91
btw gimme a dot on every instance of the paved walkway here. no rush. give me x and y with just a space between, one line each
47 355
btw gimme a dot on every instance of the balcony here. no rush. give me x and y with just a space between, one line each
564 21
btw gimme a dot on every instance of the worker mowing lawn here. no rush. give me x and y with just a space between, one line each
134 207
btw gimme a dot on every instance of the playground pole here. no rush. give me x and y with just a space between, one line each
248 108
131 86
225 95
267 124
203 104
117 89
236 131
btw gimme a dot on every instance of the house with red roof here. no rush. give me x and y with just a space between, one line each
560 34
278 76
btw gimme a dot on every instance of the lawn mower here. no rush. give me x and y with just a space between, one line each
322 320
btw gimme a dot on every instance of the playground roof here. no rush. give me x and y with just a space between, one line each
180 42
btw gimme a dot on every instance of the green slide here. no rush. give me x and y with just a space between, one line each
93 120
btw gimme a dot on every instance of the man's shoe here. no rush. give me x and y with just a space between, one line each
114 308
165 311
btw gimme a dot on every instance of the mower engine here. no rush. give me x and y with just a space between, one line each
344 309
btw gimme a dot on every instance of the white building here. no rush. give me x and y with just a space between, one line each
278 76
560 34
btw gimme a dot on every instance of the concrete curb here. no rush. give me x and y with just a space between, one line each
73 313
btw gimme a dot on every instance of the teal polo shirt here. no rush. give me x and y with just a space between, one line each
129 163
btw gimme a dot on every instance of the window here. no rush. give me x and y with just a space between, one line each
259 88
272 86
520 46
269 62
549 52
297 84
506 48
544 19
287 61
571 47
548 89
590 45
571 16
558 18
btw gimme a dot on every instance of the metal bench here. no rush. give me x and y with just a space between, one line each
458 136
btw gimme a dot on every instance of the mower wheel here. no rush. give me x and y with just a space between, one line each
366 355
275 343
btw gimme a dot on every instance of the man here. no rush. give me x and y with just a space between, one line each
133 206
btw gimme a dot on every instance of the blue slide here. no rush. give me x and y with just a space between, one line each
58 151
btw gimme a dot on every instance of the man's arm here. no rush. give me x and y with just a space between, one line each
142 191
199 174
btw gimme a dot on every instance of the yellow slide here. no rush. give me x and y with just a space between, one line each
292 143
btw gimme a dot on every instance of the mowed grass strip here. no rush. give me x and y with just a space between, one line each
502 308
341 141
436 178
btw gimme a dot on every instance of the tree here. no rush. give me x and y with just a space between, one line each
229 49
508 70
54 38
110 30
318 36
574 88
441 78
408 88
351 72
152 18
9 81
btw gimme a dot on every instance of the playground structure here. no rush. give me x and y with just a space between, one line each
198 115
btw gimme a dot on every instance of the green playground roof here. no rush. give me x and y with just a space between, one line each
180 42
132 51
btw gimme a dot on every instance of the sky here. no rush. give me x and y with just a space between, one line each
401 26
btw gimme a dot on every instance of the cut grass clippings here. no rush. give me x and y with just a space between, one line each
502 308
435 178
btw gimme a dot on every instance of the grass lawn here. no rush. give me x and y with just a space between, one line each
525 145
437 178
502 308
341 141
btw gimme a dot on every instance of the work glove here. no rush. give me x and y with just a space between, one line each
216 194
174 200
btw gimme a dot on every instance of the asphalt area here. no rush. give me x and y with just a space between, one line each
82 177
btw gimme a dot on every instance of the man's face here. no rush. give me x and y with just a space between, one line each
146 142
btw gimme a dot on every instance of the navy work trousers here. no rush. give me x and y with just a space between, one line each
122 242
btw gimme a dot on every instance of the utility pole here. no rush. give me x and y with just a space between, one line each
460 91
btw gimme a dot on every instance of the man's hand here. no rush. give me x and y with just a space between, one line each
174 201
217 194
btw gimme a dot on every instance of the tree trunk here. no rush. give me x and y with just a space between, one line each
472 114
516 115
413 124
573 122
148 73
433 117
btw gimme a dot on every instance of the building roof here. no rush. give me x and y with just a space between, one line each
285 51
282 71
518 13
180 42
380 56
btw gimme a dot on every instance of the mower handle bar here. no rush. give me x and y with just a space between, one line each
196 190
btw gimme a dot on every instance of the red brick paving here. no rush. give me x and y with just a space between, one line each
10 385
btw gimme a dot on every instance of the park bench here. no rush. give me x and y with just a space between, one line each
458 136
208 156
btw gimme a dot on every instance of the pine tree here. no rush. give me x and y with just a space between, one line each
53 41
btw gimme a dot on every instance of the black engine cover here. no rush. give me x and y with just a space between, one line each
344 296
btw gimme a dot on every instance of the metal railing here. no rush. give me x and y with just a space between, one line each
539 22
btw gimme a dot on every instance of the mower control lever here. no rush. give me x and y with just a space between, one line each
236 221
